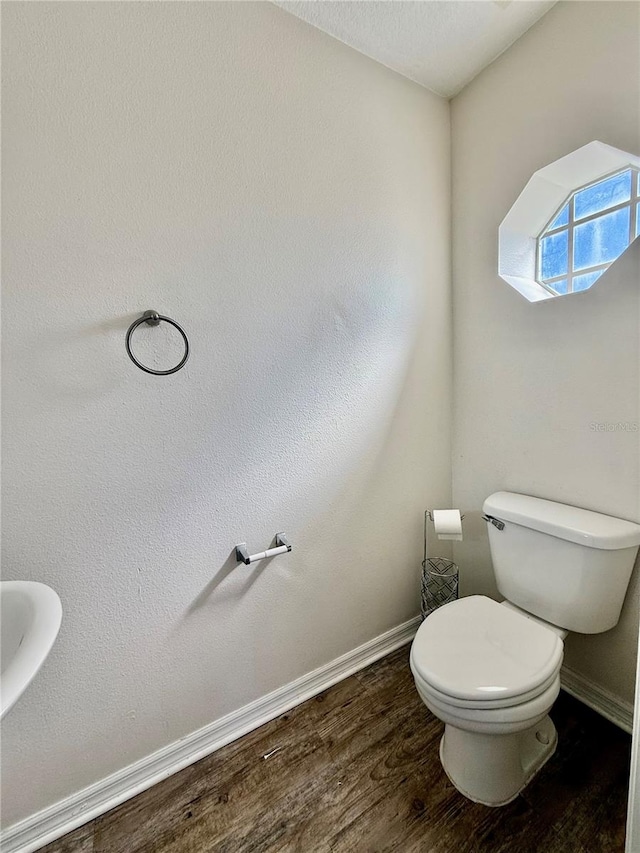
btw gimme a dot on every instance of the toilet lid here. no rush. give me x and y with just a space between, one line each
475 648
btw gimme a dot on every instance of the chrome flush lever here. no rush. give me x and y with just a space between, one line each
495 521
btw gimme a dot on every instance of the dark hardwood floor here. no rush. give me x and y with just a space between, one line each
356 770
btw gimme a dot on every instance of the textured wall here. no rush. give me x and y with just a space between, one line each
287 201
530 380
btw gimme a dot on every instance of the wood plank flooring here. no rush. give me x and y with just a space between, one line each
356 770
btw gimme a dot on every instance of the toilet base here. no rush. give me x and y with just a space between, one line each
494 769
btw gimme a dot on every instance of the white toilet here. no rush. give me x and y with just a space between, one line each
490 671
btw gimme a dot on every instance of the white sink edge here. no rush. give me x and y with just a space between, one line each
35 646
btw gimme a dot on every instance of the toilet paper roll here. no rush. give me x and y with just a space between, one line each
448 523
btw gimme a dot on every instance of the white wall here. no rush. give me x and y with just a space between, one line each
531 379
287 201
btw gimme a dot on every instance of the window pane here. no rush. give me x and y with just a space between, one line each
558 286
601 240
561 219
553 255
601 196
638 216
584 282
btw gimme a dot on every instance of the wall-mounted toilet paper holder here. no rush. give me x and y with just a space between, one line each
243 556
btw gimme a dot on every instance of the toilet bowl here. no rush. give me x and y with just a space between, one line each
491 675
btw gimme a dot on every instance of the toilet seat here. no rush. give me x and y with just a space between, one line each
487 704
476 654
510 718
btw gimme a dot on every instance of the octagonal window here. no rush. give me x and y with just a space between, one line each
592 228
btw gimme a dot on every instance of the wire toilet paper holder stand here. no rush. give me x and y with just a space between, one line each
439 580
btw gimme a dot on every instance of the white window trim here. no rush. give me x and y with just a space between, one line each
547 191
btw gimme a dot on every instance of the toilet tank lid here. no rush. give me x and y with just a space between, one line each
591 529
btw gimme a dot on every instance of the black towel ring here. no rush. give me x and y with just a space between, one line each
152 318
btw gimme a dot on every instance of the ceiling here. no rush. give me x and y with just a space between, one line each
441 44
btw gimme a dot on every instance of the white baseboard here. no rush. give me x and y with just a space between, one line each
603 701
51 823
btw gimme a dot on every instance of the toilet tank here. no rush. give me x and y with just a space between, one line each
569 566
